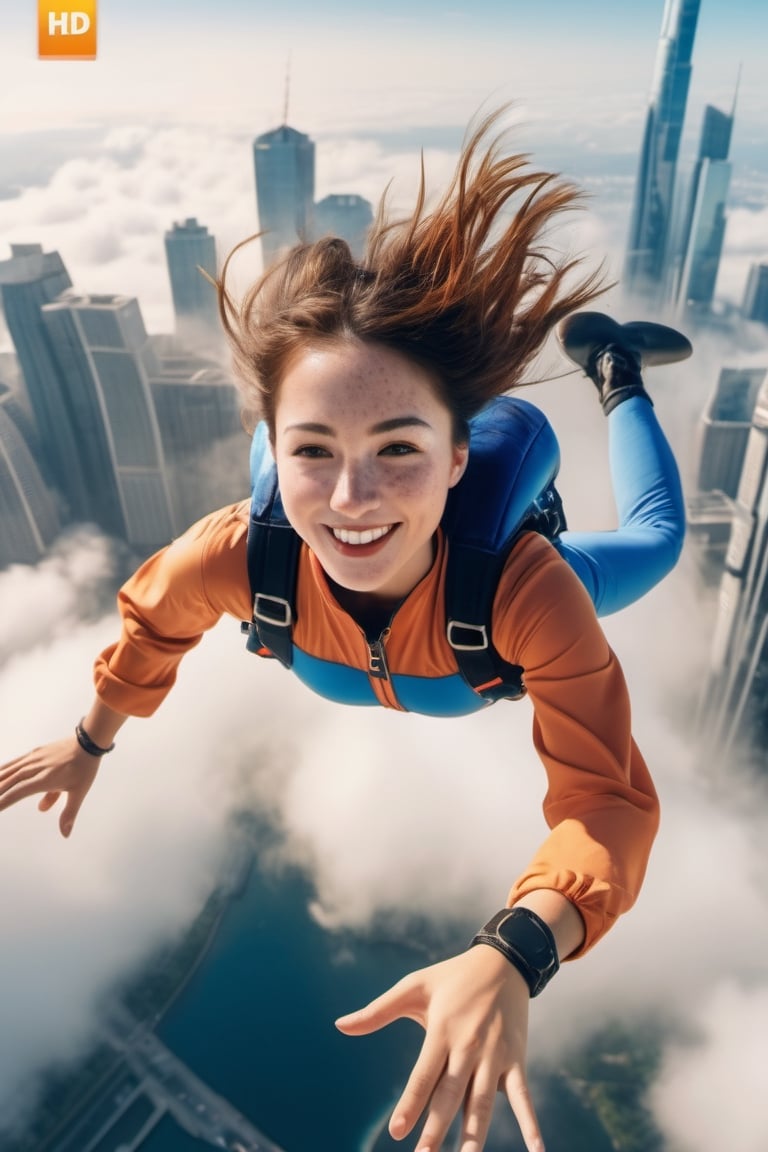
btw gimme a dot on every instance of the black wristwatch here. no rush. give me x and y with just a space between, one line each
527 942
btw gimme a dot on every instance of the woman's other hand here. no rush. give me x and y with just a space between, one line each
474 1011
56 768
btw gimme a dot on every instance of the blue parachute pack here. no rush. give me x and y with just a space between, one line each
507 488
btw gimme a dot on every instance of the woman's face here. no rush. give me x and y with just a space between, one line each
365 457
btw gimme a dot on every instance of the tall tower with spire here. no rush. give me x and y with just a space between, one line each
284 165
645 268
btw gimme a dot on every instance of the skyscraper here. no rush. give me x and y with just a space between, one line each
189 247
284 164
704 228
724 430
755 305
30 279
645 268
106 358
27 510
205 449
346 215
735 700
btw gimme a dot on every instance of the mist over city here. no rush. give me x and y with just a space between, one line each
382 820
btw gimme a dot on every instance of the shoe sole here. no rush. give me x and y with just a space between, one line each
586 333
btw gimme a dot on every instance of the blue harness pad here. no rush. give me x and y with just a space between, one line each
437 696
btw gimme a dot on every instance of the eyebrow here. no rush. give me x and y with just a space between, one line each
391 425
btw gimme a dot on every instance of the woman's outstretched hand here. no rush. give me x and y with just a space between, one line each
52 769
474 1011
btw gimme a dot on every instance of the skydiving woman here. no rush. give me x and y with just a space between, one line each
366 376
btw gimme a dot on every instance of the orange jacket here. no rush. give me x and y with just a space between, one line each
600 804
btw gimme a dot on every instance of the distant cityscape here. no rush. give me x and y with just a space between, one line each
104 423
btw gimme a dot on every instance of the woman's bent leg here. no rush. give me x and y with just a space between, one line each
618 567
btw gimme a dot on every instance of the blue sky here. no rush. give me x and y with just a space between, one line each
224 56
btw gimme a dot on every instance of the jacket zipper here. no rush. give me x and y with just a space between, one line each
377 658
378 671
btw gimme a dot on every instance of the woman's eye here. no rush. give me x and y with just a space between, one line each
313 451
398 450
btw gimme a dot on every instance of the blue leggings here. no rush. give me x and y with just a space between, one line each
618 567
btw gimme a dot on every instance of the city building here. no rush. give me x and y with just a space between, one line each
346 215
188 248
28 512
29 280
704 229
734 707
284 164
105 359
646 268
205 447
724 428
755 305
720 446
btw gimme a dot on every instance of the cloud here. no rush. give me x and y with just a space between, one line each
107 213
710 1090
746 243
152 837
44 603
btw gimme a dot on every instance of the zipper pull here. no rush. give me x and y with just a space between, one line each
377 660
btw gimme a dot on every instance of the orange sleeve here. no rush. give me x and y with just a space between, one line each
167 605
600 804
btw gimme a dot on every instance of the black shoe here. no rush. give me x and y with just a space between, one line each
613 354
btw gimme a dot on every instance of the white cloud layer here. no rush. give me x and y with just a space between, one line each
710 1092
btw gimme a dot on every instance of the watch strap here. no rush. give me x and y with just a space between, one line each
537 967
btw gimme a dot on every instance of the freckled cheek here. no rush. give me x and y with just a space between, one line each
301 491
423 485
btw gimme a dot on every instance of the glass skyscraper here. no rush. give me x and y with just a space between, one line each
705 221
735 702
645 270
284 163
188 248
107 358
346 215
30 279
205 447
755 305
27 510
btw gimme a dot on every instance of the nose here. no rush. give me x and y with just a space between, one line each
355 491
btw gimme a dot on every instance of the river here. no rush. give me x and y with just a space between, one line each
256 1022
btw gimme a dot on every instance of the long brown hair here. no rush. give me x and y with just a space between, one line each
466 289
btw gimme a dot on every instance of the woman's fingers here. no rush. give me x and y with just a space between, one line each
519 1096
447 1099
23 783
478 1108
47 802
404 999
53 769
421 1083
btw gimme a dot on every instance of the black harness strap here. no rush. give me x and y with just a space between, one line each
470 586
471 580
273 563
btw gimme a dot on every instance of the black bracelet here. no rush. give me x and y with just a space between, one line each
88 745
527 942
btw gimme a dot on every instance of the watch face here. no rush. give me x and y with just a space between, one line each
524 934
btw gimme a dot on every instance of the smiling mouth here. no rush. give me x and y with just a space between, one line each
364 536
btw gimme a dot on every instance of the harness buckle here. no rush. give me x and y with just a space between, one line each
459 645
280 615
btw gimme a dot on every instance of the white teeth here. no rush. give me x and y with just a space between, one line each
349 536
